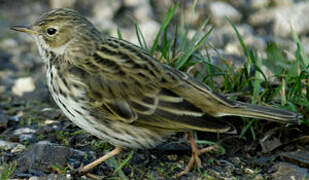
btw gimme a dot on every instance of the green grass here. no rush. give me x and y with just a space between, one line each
6 170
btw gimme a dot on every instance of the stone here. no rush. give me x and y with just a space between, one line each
159 7
18 148
248 171
10 146
235 160
149 30
6 64
25 130
251 41
221 36
2 89
5 145
40 94
269 143
259 3
41 155
105 10
214 174
51 113
25 134
287 171
255 42
103 13
142 11
133 2
8 43
52 177
4 118
14 118
62 4
218 56
220 10
305 43
29 138
300 157
23 85
258 177
284 19
283 2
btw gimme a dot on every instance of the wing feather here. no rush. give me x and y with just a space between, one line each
140 90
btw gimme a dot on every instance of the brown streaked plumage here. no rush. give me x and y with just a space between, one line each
116 91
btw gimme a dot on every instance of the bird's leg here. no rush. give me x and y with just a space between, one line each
93 164
195 160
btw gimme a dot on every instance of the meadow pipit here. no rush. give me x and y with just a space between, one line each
116 91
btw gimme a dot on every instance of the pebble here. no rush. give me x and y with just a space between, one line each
103 10
2 89
258 4
41 155
23 85
62 3
258 177
284 19
10 146
300 157
29 138
4 118
220 10
289 171
24 130
51 177
248 171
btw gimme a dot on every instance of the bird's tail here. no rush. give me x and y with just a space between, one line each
263 112
215 104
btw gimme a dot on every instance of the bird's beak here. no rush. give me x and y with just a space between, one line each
24 29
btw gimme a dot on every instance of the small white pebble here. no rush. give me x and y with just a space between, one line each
23 85
248 171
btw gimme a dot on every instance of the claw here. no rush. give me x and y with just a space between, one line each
195 160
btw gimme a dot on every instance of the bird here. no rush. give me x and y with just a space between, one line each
118 92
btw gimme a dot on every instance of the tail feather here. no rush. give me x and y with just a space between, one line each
264 112
218 105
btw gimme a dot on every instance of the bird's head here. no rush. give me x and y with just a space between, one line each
57 29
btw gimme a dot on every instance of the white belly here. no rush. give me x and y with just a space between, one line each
70 107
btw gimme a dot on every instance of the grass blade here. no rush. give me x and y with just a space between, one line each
119 33
182 61
170 14
125 162
140 38
242 43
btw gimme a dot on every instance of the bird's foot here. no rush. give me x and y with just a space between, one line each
195 160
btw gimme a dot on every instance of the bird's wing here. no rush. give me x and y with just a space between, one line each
126 84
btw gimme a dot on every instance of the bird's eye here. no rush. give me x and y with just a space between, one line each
51 31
